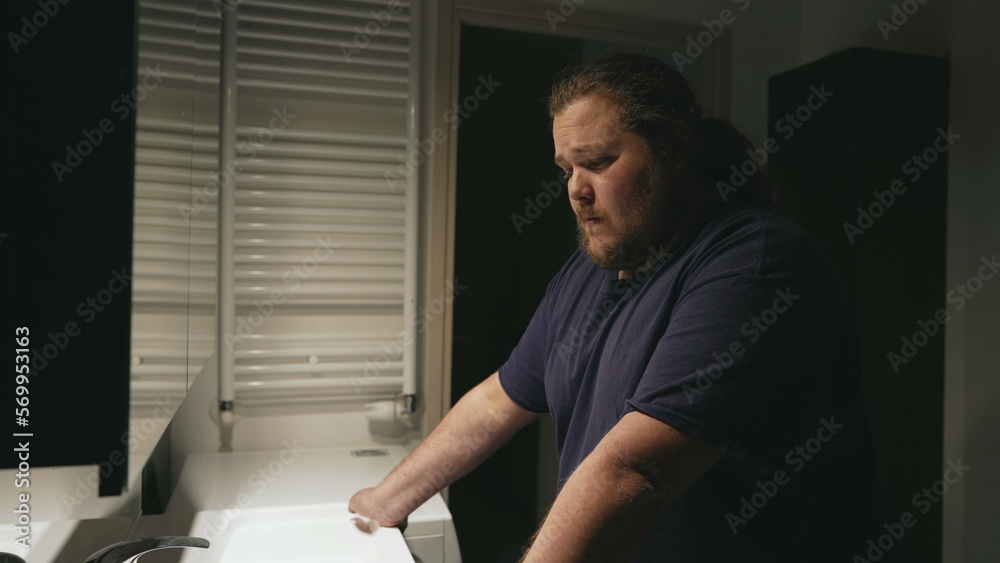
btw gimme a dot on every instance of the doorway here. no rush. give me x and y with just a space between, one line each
514 229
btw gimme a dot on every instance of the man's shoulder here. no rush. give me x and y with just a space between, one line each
743 239
741 223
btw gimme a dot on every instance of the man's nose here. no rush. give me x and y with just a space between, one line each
580 189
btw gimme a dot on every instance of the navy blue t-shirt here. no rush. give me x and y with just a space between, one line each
741 338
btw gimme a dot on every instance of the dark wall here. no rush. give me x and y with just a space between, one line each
69 128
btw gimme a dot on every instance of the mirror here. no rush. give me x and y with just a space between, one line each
113 288
174 241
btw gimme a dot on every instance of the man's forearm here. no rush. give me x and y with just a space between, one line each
483 420
602 514
610 502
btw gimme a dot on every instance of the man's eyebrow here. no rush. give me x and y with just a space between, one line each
582 150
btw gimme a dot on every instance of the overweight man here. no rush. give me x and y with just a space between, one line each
695 354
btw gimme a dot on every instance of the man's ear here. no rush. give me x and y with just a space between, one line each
681 145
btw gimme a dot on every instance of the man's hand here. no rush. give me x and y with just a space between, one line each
363 503
609 503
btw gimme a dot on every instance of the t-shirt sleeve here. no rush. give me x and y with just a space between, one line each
741 367
522 376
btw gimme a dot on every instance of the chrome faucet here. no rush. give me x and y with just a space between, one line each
129 551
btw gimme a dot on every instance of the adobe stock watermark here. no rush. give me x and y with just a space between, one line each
292 279
566 9
363 36
258 481
393 349
87 311
923 501
533 206
796 459
418 154
900 15
913 169
753 330
247 149
138 433
787 127
122 107
30 26
696 44
928 329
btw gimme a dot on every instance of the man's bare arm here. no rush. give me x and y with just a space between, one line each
609 503
482 421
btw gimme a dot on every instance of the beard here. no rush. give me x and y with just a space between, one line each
642 225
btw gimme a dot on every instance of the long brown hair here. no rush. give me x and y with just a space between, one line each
656 102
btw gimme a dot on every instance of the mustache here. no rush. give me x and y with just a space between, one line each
584 213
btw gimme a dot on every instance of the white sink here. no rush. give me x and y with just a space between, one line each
317 533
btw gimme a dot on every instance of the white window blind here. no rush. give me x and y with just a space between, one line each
320 241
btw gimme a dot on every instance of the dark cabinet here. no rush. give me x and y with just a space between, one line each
66 243
865 171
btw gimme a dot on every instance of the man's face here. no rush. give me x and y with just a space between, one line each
617 192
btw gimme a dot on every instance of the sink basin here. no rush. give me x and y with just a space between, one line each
318 533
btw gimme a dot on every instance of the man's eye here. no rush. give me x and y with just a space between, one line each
597 163
589 165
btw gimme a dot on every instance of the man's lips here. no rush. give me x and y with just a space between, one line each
588 217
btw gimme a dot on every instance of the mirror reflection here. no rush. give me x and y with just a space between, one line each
174 241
